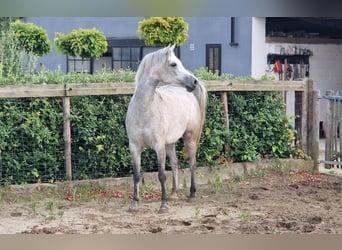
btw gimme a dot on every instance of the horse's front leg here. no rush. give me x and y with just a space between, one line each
136 155
161 155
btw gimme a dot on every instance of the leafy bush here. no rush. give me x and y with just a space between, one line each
163 31
31 146
215 132
99 139
11 56
85 43
258 126
31 38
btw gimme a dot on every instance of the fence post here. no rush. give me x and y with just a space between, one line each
67 137
301 109
313 127
224 100
329 129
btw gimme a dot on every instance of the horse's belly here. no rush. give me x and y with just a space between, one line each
173 136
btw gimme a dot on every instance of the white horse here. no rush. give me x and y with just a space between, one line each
159 116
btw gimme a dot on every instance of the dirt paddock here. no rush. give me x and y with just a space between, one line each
264 202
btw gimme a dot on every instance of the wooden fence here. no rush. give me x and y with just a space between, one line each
333 141
306 122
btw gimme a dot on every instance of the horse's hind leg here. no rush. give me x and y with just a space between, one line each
161 155
171 154
191 146
136 155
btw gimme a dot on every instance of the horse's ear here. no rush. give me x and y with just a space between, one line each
172 47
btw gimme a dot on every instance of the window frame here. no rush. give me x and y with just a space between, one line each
219 59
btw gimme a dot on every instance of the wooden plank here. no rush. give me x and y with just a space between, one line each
255 85
31 90
120 88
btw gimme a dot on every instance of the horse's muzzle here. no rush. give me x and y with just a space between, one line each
191 87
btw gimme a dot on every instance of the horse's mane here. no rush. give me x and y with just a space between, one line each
155 58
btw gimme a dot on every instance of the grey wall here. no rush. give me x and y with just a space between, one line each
202 30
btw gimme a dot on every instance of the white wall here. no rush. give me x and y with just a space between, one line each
325 68
258 58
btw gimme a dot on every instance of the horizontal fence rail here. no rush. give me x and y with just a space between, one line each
124 88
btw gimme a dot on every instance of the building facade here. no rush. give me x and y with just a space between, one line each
223 44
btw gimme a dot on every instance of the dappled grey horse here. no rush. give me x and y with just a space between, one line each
158 117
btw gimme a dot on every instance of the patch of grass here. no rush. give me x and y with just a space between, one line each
231 185
332 172
239 177
151 185
125 199
49 205
281 169
218 183
259 172
245 216
197 211
33 208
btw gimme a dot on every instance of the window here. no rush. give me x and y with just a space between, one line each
213 57
126 58
79 65
103 64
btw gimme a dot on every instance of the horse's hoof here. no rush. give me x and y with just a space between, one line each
132 210
191 198
163 210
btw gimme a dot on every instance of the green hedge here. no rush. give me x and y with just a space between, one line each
32 146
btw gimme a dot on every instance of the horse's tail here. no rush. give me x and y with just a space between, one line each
201 95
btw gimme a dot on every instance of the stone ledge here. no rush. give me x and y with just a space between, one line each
204 175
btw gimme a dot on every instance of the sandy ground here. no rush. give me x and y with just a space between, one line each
264 202
267 203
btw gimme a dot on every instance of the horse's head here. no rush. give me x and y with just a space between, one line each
174 71
165 67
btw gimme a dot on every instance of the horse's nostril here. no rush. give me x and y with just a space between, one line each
195 81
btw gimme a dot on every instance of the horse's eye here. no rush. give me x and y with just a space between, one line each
173 64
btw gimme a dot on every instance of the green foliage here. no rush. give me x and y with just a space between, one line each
11 56
259 126
205 74
58 77
99 139
163 31
5 22
31 146
31 38
85 43
215 133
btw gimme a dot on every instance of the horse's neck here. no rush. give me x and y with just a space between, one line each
145 92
